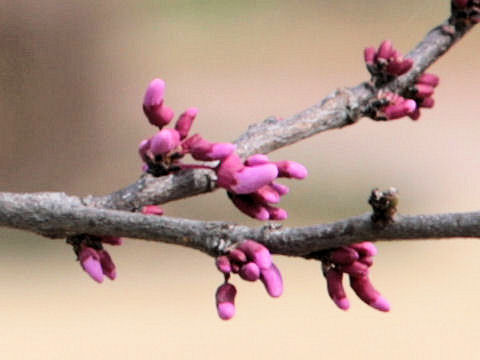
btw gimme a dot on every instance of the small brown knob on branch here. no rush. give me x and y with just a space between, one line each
384 205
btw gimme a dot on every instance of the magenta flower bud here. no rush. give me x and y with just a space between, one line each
227 169
368 294
223 264
355 269
257 253
400 108
399 66
385 50
252 178
365 248
415 115
164 141
111 240
343 255
220 151
428 79
336 290
291 169
276 213
368 260
185 121
154 94
428 102
249 207
250 272
152 210
108 267
143 149
90 262
237 256
267 194
203 150
369 55
424 91
153 108
280 188
225 301
272 279
257 159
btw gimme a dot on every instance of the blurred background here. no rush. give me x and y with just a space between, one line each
72 79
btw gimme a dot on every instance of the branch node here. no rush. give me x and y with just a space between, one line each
384 206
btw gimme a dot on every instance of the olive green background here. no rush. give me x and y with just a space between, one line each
72 78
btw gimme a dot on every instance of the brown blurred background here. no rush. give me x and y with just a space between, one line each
72 77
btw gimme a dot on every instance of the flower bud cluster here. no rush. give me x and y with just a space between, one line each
466 12
355 261
252 261
385 63
93 258
251 187
250 184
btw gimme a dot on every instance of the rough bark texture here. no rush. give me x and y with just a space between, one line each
58 215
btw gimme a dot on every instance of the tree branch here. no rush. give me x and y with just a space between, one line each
341 108
58 215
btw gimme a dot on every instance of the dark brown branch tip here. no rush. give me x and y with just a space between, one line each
384 206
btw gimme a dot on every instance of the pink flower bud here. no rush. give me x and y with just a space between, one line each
355 269
248 206
158 114
424 91
399 66
369 55
415 115
250 272
164 141
257 253
276 213
154 94
223 264
428 79
185 121
365 248
400 108
225 301
368 294
152 210
90 261
335 288
368 260
227 169
272 279
111 240
343 255
385 50
257 159
220 151
237 256
428 102
267 194
108 267
251 178
291 169
280 188
203 150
